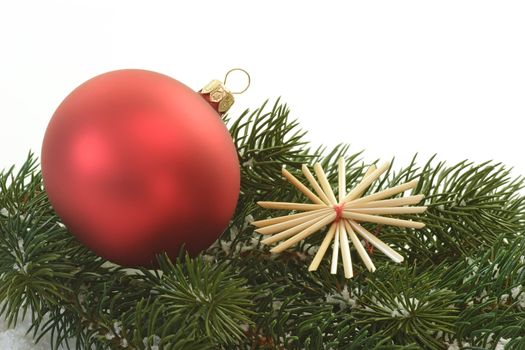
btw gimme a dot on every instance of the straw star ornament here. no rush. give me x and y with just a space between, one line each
343 215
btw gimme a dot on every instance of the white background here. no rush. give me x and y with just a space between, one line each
391 77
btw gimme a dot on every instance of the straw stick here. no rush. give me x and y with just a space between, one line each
278 219
383 220
387 193
388 210
324 183
293 180
291 231
309 176
291 206
359 247
335 252
376 242
345 251
387 202
342 178
323 248
268 230
370 170
367 181
303 234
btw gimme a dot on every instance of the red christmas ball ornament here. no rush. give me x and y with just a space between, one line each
135 163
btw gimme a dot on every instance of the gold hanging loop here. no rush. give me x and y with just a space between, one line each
240 70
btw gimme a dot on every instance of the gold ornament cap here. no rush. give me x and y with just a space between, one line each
218 95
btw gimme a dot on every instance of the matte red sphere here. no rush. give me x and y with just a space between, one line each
136 163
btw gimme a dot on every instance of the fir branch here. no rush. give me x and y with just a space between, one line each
465 269
266 141
73 294
207 301
492 296
408 307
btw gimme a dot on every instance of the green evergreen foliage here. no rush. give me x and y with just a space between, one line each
460 286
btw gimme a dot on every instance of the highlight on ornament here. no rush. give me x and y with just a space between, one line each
343 215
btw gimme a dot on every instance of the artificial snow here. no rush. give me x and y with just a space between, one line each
518 295
399 310
276 305
501 343
155 341
16 338
456 346
343 298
